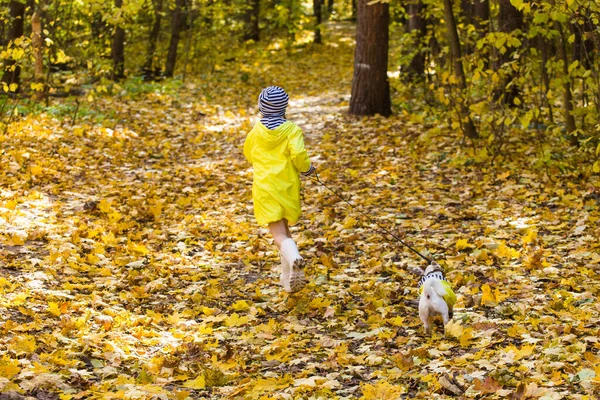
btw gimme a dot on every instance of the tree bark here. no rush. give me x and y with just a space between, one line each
329 7
567 94
118 48
251 19
481 16
509 20
12 70
466 121
153 38
37 45
177 22
416 24
370 85
319 20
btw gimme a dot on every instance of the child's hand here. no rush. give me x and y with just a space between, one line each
310 171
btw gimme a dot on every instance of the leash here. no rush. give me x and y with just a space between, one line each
316 176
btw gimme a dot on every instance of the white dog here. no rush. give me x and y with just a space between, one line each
437 297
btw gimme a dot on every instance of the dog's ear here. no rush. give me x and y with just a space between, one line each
416 270
435 266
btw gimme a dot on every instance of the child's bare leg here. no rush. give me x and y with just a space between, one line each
280 231
292 276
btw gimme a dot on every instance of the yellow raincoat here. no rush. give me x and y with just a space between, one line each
277 156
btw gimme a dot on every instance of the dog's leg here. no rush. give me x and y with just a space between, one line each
424 314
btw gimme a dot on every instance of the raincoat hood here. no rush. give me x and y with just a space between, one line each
272 138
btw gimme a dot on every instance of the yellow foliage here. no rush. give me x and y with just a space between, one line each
382 390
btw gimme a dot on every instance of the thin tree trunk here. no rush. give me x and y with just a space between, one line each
481 16
416 24
37 45
370 85
545 76
176 25
319 20
12 70
567 94
118 48
509 20
251 19
329 7
467 122
153 38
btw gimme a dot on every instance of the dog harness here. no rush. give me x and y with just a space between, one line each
433 274
448 295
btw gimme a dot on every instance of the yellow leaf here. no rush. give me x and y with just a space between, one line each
596 167
198 383
499 296
54 309
24 345
9 367
319 302
35 170
516 331
208 311
349 222
503 175
382 390
17 239
182 395
530 236
138 248
462 244
525 351
109 239
104 206
240 305
487 296
155 210
454 329
38 87
466 336
235 320
397 321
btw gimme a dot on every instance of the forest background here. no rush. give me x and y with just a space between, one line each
131 266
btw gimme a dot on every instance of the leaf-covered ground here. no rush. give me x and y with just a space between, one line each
131 265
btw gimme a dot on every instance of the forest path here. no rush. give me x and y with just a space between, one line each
132 265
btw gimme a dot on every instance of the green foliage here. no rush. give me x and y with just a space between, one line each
516 79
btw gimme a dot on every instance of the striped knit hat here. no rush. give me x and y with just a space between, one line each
273 101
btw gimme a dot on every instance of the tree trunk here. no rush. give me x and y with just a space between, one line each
177 23
481 16
465 117
545 77
567 94
416 24
252 31
12 70
118 47
370 85
467 10
509 20
153 39
329 7
37 45
319 20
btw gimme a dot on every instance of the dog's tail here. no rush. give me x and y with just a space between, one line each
443 289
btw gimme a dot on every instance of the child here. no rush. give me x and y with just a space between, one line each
275 147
